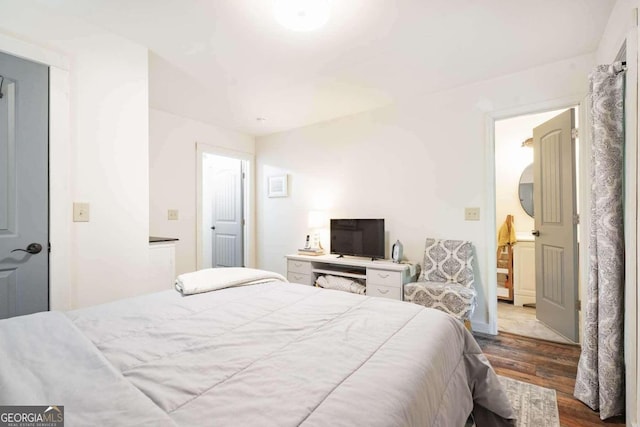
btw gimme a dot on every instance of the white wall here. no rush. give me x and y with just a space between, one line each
620 20
108 157
511 160
172 162
418 165
110 168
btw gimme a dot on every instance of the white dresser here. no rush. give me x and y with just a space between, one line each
383 278
524 271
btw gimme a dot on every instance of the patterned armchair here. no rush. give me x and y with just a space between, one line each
446 279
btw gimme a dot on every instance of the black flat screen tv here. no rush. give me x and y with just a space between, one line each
358 237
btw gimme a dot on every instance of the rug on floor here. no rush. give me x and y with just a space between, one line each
533 405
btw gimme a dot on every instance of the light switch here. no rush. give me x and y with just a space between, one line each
472 214
81 212
173 214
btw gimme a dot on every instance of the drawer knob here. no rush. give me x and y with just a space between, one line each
383 291
384 276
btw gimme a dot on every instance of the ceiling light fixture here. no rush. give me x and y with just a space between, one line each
302 15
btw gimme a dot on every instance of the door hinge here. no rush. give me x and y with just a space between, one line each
574 133
49 247
576 219
579 305
243 221
243 176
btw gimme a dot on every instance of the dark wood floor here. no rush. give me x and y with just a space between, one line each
546 364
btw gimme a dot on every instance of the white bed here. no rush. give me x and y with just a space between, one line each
269 354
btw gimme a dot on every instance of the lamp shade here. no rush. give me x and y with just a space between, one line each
317 219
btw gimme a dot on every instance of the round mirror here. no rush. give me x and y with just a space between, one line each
525 190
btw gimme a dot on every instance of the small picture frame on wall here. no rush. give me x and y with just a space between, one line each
277 186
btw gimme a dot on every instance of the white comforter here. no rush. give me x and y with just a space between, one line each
272 354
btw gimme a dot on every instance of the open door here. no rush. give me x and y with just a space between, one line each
224 199
555 219
227 213
24 187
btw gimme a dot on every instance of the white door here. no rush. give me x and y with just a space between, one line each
556 246
227 212
24 187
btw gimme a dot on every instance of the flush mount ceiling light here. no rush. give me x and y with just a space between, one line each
302 15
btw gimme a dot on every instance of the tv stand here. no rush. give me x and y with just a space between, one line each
382 278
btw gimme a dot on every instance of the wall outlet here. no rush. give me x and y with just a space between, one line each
472 214
172 214
81 212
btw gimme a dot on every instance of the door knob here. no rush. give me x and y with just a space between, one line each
213 228
535 232
33 248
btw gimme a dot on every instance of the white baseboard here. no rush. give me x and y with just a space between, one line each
481 327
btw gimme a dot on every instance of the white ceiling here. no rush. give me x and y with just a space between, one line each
228 62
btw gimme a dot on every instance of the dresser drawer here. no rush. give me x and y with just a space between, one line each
390 292
384 277
302 267
304 279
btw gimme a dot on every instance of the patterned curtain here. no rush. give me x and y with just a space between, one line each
600 379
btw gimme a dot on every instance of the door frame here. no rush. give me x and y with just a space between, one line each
60 201
490 161
629 52
249 254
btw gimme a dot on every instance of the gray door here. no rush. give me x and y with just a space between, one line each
227 213
24 187
556 244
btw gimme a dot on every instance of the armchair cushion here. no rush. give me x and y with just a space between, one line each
457 300
446 279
